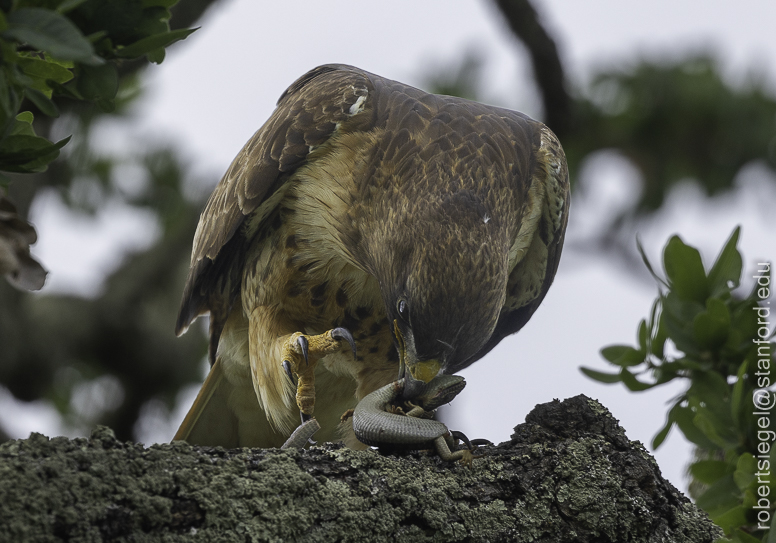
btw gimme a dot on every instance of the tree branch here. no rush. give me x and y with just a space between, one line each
568 474
547 67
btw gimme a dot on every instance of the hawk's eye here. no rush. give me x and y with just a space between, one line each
404 310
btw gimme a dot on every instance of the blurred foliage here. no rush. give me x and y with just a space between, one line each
104 360
675 121
53 49
701 329
461 78
56 48
55 345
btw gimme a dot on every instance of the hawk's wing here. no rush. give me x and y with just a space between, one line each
306 116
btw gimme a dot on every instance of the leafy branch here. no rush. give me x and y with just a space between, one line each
70 49
700 330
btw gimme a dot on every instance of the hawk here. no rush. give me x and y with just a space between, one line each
369 230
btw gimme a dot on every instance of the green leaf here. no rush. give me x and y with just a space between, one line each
42 102
68 91
622 355
723 493
40 70
24 153
749 500
661 435
746 463
23 125
52 32
709 472
772 531
69 5
633 384
601 376
152 43
709 397
737 394
745 470
10 100
658 337
740 536
712 327
711 388
743 537
733 518
98 83
685 363
743 480
643 335
677 320
685 420
25 117
156 56
684 269
719 429
728 266
19 149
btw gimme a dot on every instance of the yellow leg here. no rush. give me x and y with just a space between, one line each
300 354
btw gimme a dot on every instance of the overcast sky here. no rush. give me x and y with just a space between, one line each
217 88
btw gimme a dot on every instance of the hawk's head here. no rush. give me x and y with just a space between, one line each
445 295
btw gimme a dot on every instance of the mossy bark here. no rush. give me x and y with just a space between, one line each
568 473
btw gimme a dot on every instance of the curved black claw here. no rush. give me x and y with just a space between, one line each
471 444
460 436
343 333
302 342
287 368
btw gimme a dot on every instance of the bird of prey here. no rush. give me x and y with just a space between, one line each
368 231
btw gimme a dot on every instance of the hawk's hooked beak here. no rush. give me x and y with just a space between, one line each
420 371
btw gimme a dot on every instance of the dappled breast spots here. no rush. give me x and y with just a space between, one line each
341 298
318 294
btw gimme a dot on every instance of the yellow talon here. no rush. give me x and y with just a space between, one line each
302 353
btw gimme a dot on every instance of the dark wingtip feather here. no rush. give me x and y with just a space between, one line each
186 316
192 305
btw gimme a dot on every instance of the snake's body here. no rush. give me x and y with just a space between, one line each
374 423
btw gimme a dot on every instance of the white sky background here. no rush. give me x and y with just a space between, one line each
216 89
